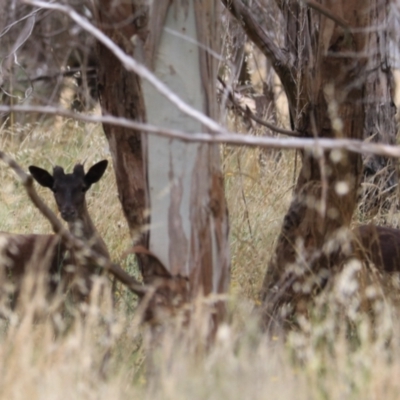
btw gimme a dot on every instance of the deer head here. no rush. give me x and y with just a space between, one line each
69 189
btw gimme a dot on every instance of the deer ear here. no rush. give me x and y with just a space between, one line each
41 176
95 172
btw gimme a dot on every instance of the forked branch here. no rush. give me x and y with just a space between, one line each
248 113
129 62
280 59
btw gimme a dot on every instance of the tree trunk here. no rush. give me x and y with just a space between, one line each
330 49
121 95
189 225
180 184
334 95
380 122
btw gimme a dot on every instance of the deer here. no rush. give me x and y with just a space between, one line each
47 254
69 192
379 245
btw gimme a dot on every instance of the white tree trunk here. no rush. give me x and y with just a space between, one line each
188 220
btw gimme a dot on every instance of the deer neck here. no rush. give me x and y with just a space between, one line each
84 229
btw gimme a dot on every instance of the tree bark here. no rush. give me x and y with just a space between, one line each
121 95
189 225
380 122
185 251
334 96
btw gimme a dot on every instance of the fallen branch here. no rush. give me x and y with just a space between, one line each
71 241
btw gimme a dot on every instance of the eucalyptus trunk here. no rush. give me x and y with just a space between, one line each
189 225
180 185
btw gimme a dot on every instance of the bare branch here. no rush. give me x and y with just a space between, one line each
236 139
329 14
67 73
130 63
24 34
71 241
262 122
251 115
279 59
9 26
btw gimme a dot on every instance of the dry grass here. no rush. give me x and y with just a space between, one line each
108 355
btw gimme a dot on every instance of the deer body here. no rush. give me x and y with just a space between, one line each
379 245
47 255
37 257
84 229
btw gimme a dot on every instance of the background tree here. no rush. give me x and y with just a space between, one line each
333 67
179 184
39 50
115 82
318 42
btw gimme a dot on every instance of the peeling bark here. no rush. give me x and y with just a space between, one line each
189 226
185 251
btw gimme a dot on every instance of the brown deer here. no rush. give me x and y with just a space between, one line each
379 245
69 192
29 258
47 254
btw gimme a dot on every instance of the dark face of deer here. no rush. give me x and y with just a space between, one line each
69 189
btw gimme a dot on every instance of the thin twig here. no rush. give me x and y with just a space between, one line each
246 110
246 213
235 139
130 63
69 72
279 58
71 241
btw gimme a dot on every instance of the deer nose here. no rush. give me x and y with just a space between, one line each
68 214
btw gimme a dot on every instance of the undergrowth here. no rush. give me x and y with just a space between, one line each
109 354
